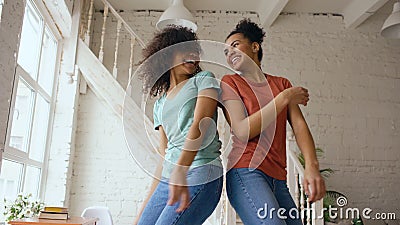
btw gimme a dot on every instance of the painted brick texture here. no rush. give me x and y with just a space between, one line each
354 80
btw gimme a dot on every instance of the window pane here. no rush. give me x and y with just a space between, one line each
28 53
48 62
22 117
10 179
32 181
39 129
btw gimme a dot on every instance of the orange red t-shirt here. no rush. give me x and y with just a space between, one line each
267 151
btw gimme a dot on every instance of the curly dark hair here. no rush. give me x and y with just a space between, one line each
251 31
155 68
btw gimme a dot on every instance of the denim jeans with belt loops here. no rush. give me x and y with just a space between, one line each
260 199
205 187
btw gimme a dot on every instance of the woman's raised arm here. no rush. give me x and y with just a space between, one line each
247 127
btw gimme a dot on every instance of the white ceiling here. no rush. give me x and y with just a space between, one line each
322 6
353 11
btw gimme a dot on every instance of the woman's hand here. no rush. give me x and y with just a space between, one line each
178 190
314 184
296 95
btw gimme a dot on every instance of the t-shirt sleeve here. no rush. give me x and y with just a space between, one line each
229 89
206 79
157 115
286 83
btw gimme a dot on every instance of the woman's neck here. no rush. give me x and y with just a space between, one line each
254 74
176 79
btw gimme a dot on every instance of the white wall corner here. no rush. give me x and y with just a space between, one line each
357 11
11 25
61 155
60 13
268 11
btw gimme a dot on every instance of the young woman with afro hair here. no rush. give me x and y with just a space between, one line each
188 184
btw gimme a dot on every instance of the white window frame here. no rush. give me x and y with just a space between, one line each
19 156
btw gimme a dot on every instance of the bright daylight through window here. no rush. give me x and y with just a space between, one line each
32 105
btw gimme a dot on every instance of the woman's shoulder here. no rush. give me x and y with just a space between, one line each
231 77
160 100
204 73
279 80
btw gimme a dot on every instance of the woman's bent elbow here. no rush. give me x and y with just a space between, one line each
242 135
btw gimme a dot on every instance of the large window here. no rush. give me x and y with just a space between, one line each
31 118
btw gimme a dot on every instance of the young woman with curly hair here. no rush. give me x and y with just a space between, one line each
185 114
257 106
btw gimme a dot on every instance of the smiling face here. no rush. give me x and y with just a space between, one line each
185 63
237 46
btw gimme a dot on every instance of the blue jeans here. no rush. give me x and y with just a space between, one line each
253 194
204 197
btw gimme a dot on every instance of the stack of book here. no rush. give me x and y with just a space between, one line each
54 213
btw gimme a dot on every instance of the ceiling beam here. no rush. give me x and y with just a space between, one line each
358 11
270 10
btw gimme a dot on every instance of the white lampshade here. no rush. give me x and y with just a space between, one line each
177 14
391 27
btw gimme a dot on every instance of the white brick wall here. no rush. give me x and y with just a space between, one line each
10 29
354 80
104 173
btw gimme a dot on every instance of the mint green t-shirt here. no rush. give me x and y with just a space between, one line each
176 117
